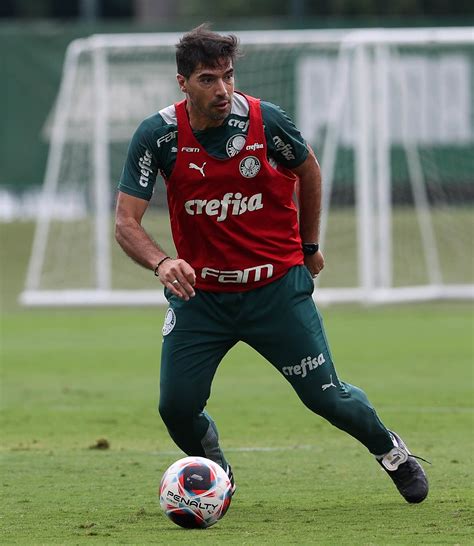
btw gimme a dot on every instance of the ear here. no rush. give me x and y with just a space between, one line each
181 82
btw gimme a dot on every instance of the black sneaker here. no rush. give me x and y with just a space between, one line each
405 471
231 478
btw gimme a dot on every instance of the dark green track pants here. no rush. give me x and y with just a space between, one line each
281 322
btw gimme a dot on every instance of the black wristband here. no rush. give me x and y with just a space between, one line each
310 248
155 271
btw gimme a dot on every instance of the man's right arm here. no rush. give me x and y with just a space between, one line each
135 190
130 234
137 244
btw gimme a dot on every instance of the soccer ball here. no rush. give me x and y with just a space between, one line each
195 492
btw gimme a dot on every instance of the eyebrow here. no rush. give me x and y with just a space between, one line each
213 75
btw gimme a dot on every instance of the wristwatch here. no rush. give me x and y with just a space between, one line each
310 248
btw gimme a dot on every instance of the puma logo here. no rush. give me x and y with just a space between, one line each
197 168
327 385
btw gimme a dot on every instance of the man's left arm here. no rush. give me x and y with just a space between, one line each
309 204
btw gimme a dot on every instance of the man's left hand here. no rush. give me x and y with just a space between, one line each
315 263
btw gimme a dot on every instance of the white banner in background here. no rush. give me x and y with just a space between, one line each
439 98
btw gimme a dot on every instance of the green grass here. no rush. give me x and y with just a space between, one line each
70 377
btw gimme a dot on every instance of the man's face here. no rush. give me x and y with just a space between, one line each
210 92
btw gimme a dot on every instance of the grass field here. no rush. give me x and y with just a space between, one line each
71 377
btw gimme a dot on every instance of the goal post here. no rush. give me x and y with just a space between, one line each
388 112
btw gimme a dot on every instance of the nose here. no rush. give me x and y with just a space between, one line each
220 87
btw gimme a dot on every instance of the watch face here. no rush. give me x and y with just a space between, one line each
310 248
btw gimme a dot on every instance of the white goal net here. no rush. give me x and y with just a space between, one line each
389 113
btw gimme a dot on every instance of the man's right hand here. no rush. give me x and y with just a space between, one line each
179 277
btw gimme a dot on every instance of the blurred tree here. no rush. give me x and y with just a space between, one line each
442 7
350 8
116 8
155 10
65 10
33 9
210 10
27 8
8 8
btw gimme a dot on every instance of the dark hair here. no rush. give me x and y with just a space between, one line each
202 46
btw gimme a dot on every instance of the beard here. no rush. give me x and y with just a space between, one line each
211 110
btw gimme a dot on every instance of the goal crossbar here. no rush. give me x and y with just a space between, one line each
369 50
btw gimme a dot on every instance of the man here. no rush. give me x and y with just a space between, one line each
247 255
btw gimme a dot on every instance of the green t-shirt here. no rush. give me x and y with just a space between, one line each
153 147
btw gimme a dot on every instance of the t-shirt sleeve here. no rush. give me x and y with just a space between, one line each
141 167
285 143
